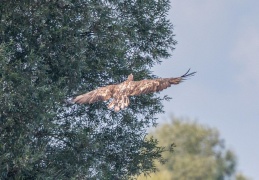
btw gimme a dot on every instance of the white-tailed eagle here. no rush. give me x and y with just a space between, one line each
121 92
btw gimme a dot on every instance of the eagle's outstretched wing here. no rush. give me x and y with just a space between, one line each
155 85
120 92
100 94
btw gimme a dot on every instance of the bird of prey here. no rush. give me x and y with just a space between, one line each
120 92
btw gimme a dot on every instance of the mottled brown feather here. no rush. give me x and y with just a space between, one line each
120 92
100 94
153 85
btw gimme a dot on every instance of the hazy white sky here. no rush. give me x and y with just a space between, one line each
220 40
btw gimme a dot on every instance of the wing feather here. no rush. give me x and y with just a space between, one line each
100 94
148 86
133 88
155 85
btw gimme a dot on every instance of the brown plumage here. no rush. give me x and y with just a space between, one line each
121 92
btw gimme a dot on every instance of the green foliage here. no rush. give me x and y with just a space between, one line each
240 176
199 153
52 50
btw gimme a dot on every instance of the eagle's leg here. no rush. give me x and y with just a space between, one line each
119 103
111 104
124 102
114 104
116 108
127 101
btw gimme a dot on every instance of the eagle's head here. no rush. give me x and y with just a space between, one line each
130 77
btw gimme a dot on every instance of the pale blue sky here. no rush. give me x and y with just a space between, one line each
220 40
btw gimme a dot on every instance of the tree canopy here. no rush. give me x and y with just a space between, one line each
200 153
51 50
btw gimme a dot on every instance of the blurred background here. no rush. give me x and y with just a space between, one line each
220 40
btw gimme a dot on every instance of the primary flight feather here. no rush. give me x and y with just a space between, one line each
121 92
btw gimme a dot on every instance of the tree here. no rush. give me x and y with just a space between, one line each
240 176
200 153
53 50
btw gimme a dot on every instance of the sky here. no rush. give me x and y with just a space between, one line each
220 40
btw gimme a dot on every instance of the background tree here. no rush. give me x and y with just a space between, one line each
54 49
200 153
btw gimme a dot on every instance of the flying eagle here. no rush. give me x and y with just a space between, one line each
121 92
